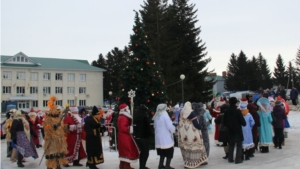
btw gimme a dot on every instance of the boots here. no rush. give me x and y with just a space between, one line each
247 155
76 163
121 166
226 156
127 166
20 158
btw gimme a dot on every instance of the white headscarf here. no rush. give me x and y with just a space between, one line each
161 108
187 110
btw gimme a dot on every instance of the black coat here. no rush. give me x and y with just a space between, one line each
17 125
234 120
141 125
93 141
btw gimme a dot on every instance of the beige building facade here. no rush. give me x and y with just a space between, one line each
30 81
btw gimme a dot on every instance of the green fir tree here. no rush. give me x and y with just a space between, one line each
280 74
142 74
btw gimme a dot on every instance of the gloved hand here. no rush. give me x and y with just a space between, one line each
131 129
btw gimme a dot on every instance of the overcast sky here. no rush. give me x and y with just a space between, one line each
80 29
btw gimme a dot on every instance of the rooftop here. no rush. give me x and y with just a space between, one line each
23 61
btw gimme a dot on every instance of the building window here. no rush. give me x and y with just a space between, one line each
34 76
58 76
20 75
58 90
59 102
47 76
20 90
71 102
82 77
35 103
6 89
82 103
6 75
81 90
71 76
71 90
45 103
46 90
33 90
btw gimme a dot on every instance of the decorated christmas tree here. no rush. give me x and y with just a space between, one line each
142 74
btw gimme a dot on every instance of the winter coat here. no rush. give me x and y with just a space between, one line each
164 130
252 109
234 120
265 130
247 130
128 150
294 93
280 116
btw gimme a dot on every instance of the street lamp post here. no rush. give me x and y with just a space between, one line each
110 93
182 77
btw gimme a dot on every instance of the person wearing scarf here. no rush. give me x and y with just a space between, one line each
190 138
93 139
164 141
128 150
265 130
21 138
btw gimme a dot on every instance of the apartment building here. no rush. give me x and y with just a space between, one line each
30 81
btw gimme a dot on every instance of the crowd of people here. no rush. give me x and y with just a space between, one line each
73 134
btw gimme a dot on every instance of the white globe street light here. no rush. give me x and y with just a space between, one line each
110 93
182 77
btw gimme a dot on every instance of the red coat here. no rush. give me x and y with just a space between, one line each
74 139
128 150
35 126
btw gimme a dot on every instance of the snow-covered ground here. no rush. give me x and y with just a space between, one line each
287 158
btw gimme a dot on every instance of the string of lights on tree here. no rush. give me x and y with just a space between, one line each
142 74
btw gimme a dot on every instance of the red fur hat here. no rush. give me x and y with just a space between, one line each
122 106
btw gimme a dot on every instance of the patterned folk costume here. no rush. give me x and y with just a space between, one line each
55 145
190 139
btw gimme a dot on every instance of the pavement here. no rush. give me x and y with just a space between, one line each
286 158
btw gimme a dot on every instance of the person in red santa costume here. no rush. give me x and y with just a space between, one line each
128 151
36 125
216 105
41 115
75 147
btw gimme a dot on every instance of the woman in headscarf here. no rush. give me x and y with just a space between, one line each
199 111
164 141
265 130
93 139
190 138
278 124
21 138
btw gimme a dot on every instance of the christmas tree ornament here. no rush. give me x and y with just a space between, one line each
152 94
136 45
142 69
135 30
162 92
126 67
122 90
146 36
147 63
154 64
148 101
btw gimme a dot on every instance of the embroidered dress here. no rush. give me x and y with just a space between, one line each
190 142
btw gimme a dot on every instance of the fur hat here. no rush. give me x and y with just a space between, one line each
95 111
122 106
233 101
